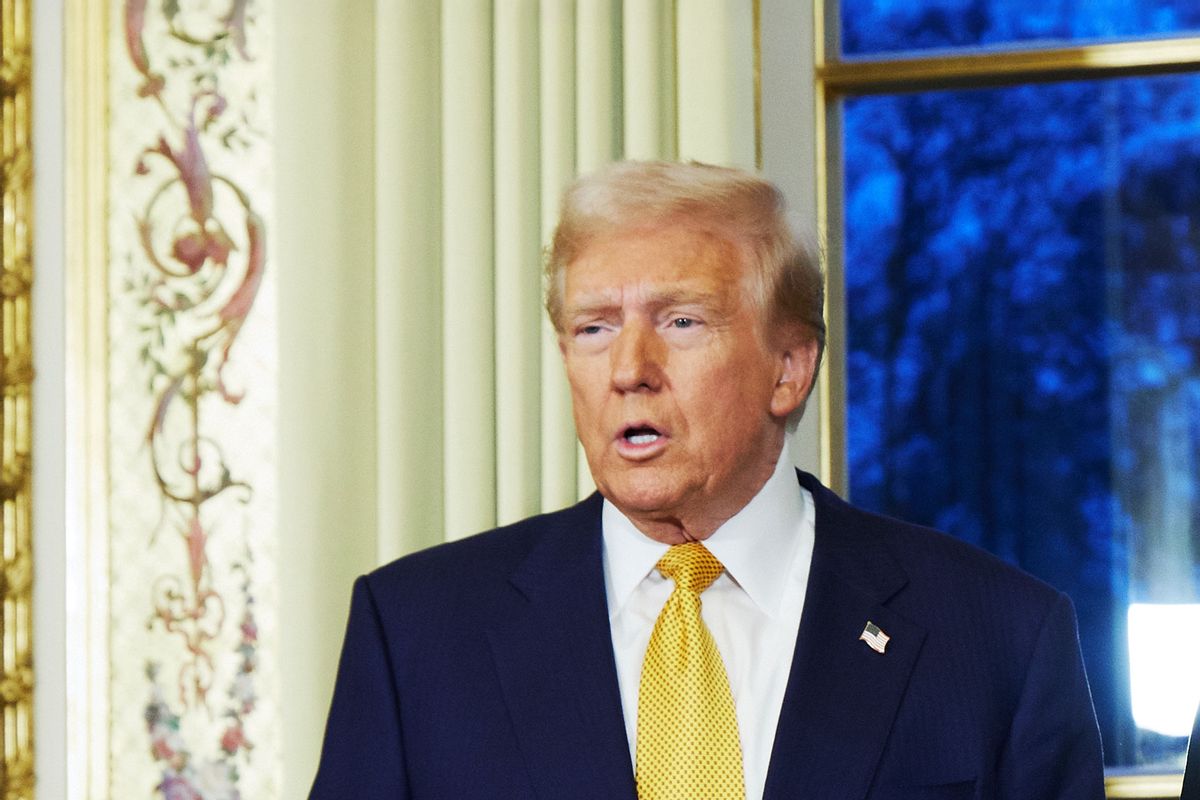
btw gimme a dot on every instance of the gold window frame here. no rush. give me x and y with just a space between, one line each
974 68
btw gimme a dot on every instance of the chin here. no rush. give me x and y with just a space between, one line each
641 496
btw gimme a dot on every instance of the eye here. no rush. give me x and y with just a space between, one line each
590 330
683 323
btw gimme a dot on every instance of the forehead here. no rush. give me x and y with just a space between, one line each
663 258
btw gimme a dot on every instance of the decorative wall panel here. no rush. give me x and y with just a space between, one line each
191 403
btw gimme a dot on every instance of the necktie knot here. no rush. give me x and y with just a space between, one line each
691 565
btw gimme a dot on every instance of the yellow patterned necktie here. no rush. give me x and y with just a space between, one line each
687 735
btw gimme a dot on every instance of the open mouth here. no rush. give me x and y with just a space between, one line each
641 435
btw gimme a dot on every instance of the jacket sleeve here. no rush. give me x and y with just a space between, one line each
1191 775
1053 749
363 754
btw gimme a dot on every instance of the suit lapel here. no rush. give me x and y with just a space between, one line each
555 663
841 696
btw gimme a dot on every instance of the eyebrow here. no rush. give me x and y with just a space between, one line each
606 301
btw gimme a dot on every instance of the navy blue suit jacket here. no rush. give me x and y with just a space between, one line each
484 668
1191 775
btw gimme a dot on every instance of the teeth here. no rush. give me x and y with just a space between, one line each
643 438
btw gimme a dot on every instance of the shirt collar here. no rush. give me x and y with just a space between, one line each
757 545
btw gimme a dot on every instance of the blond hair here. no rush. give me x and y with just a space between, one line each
739 207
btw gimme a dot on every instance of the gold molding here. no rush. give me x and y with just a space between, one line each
1147 787
980 67
831 386
834 463
16 378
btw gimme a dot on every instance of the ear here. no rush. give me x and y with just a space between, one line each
797 367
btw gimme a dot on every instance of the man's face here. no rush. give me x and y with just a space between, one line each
679 400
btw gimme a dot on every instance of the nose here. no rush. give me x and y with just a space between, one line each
637 359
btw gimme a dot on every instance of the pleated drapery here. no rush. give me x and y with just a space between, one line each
484 111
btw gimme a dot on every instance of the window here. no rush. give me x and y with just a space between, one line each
872 27
1016 229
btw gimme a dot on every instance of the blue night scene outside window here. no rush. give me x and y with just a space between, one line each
1022 277
886 26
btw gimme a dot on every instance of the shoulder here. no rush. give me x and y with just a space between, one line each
942 577
997 686
481 562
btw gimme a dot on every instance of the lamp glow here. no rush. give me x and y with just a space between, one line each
1164 666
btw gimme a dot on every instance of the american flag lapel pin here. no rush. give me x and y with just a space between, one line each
875 638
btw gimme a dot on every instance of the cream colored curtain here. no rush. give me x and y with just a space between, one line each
484 112
422 148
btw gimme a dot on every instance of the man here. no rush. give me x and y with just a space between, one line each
1191 773
711 623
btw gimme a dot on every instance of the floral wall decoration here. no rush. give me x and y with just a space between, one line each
191 403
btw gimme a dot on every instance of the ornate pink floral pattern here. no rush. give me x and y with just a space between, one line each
184 775
202 254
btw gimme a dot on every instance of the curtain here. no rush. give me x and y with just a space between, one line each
484 112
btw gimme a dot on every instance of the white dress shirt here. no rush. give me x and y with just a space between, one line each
753 608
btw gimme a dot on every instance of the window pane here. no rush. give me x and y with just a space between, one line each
883 26
1023 367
